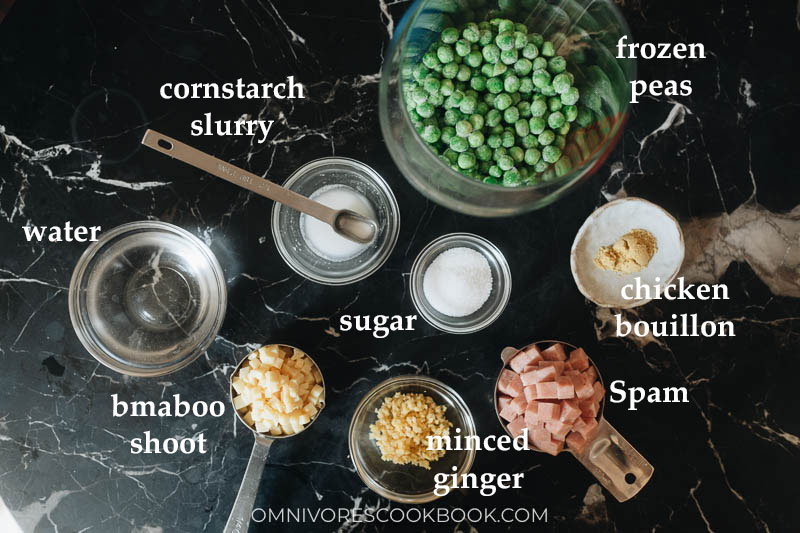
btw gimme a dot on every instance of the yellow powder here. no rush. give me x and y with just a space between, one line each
404 423
631 253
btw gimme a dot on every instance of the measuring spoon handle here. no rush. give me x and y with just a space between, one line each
233 174
239 519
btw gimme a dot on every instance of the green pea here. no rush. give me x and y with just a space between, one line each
521 127
539 63
499 152
570 97
493 117
462 47
561 83
499 68
516 98
525 86
425 110
524 109
450 70
491 53
448 132
554 104
523 67
445 54
584 117
538 108
485 38
483 152
551 153
536 38
478 83
546 137
467 105
505 25
505 162
511 115
537 125
556 120
450 155
432 85
547 90
504 40
520 39
547 49
488 98
482 108
512 178
414 116
496 129
459 144
471 32
463 128
530 51
447 87
487 69
529 141
436 99
451 116
509 57
495 172
519 26
557 64
541 166
464 73
511 84
449 35
475 139
430 60
561 141
420 72
570 112
431 133
494 85
532 156
516 153
508 138
502 102
466 160
474 59
541 78
493 141
564 130
420 96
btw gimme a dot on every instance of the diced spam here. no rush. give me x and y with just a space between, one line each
536 375
516 426
530 393
551 446
589 408
591 373
502 401
524 358
547 390
549 410
555 353
558 365
585 389
587 427
510 383
540 434
578 360
599 392
575 441
532 414
514 408
558 429
565 388
570 411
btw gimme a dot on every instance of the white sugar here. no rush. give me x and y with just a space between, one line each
458 282
320 237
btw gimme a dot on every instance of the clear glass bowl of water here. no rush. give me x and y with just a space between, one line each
147 298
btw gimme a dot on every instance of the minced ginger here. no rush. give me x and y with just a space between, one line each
631 253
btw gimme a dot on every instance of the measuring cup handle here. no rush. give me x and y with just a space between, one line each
615 463
239 519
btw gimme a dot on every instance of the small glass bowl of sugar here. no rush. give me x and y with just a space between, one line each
460 283
310 247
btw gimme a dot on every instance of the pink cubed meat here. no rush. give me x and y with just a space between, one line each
558 365
591 373
502 401
599 392
525 358
540 434
550 446
547 390
516 426
510 383
587 427
576 442
530 393
514 408
578 360
565 388
558 429
549 410
531 413
536 375
583 387
571 372
570 411
555 353
589 408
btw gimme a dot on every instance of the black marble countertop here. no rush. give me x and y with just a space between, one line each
80 84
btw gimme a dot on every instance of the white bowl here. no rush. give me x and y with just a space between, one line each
603 228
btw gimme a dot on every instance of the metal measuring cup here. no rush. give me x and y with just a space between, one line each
610 458
239 518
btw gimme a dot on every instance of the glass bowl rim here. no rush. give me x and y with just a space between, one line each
363 170
405 380
81 328
434 247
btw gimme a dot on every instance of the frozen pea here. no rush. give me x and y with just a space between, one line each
450 70
446 87
563 165
483 152
536 38
563 130
414 116
493 117
557 64
471 32
504 40
464 73
494 85
499 68
495 171
449 35
541 166
448 132
511 115
505 162
546 137
507 138
519 26
570 112
445 54
466 160
432 84
520 40
517 154
496 129
459 144
541 78
482 108
529 51
467 105
431 133
488 98
561 83
554 104
538 108
505 25
515 98
485 38
487 69
499 152
556 120
420 72
475 139
539 63
451 155
436 99
420 96
502 102
511 84
525 85
462 47
532 156
511 178
523 67
425 110
474 59
547 90
521 127
547 49
561 141
430 60
463 128
478 83
493 141
451 116
524 109
477 121
529 141
491 53
551 153
537 125
570 97
509 57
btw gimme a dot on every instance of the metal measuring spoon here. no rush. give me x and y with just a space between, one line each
344 222
239 518
610 458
